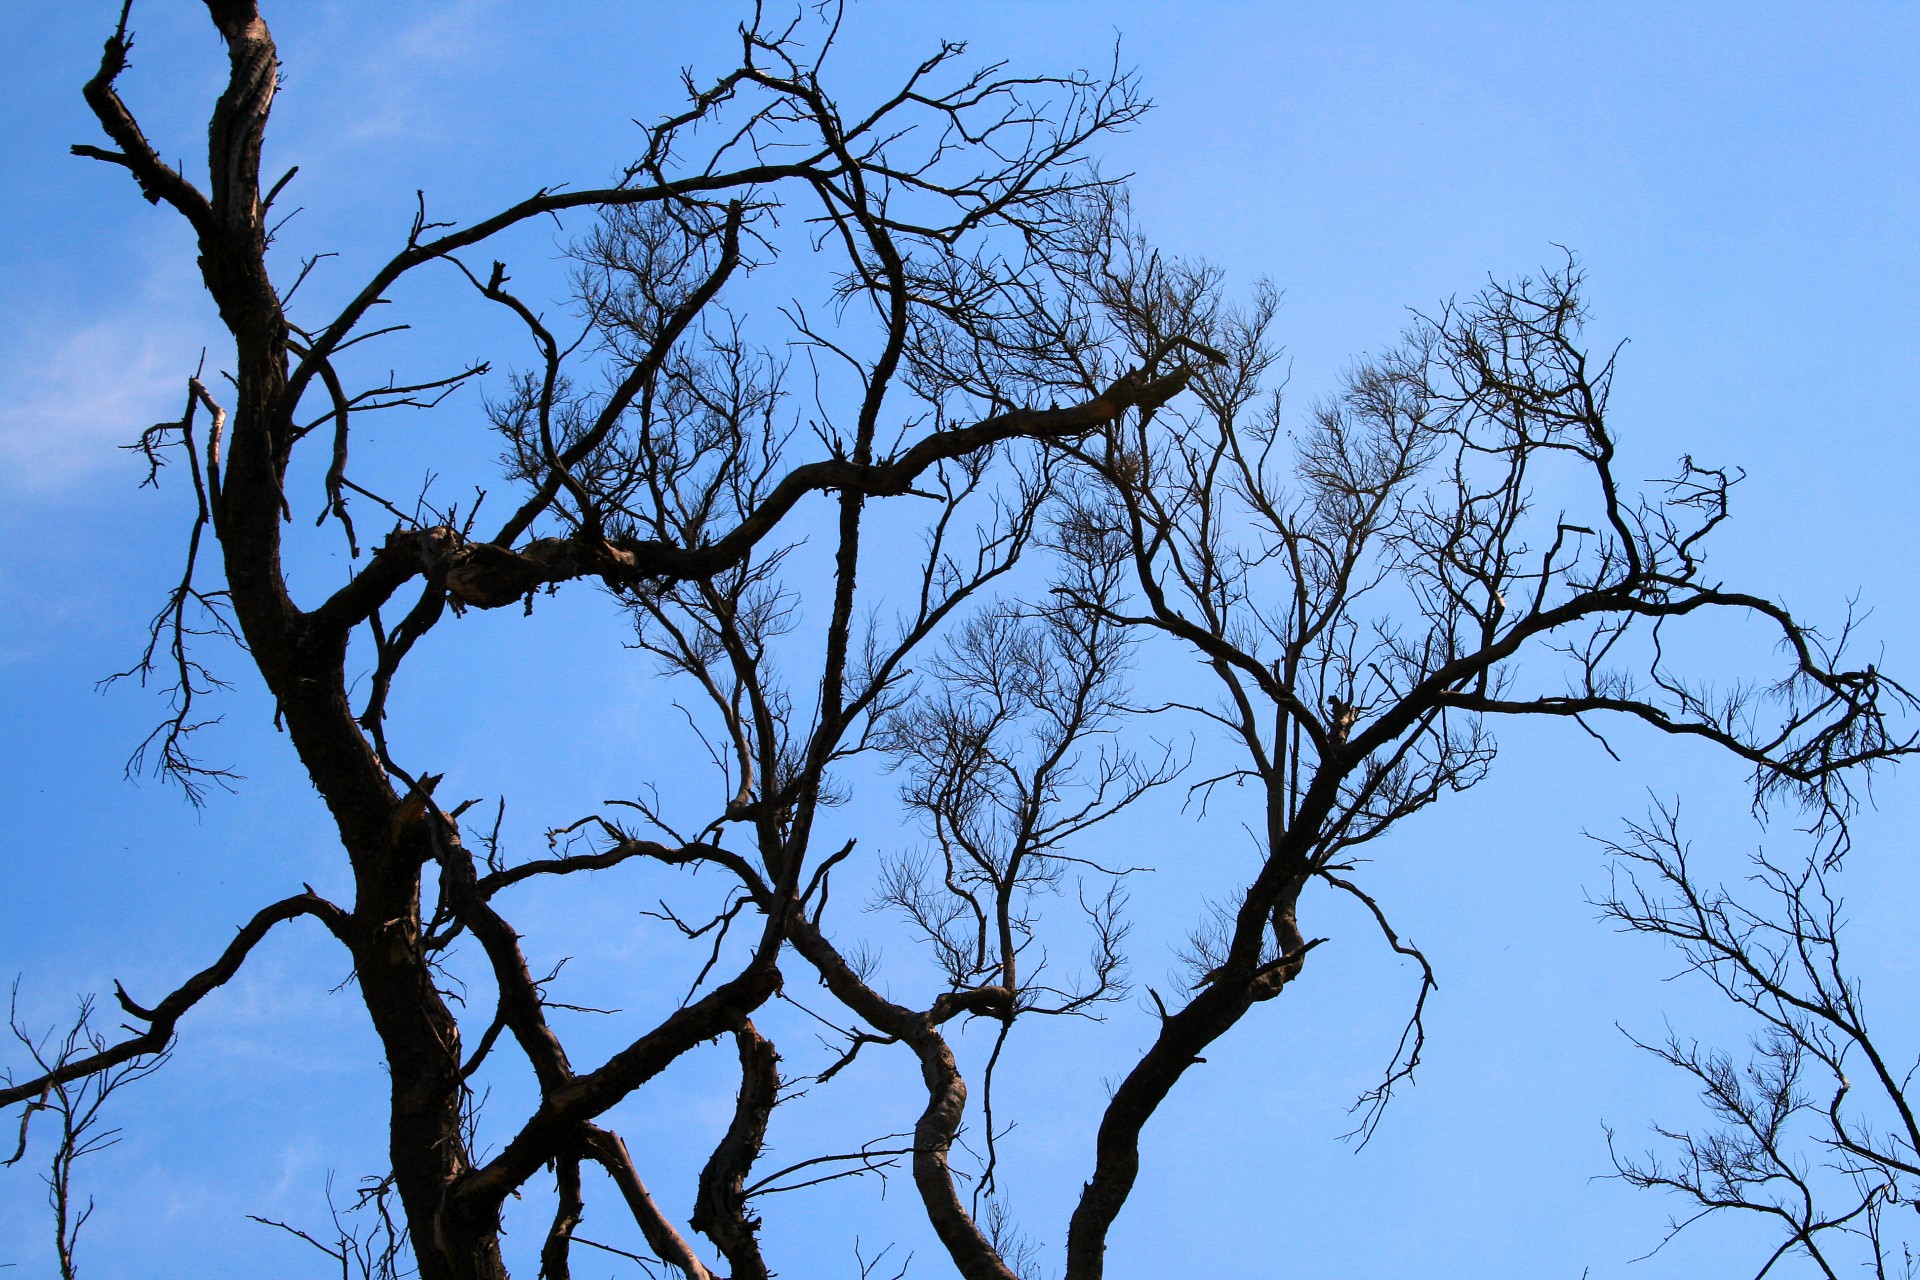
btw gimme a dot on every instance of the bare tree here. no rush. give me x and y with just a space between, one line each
1360 592
652 459
368 1241
76 1106
1364 587
1814 1132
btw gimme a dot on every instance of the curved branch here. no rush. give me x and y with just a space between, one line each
542 203
163 1017
565 1110
1181 1039
720 1210
939 1122
626 850
156 179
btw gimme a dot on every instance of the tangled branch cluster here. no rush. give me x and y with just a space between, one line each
1077 441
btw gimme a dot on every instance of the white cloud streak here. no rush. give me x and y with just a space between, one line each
74 396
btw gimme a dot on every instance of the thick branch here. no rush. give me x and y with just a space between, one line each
157 180
662 1237
565 1110
939 1122
1183 1037
487 576
720 1211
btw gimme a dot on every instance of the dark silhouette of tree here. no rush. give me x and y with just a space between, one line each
76 1106
1078 437
1814 1133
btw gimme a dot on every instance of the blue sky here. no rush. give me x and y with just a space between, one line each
1739 181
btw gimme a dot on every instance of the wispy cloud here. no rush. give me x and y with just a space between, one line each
452 35
392 93
79 383
76 393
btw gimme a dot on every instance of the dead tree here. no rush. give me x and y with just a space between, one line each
665 483
77 1108
1073 433
1814 1133
1362 587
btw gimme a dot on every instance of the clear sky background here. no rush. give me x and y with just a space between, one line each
1739 181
